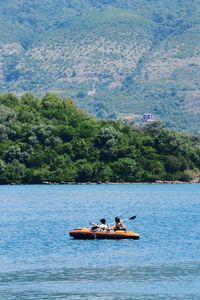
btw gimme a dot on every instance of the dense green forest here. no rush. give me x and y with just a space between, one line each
113 57
50 139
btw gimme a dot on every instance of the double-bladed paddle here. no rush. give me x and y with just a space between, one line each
131 218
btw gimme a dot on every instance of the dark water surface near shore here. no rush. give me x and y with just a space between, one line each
38 260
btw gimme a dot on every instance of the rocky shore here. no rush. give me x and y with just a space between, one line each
194 181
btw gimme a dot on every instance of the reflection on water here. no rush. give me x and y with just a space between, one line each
38 260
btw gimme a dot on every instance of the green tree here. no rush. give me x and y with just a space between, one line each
84 171
125 169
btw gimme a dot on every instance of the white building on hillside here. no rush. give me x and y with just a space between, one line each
146 118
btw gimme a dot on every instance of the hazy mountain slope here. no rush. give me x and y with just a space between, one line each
113 57
177 60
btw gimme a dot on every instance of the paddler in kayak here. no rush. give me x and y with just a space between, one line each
102 226
119 225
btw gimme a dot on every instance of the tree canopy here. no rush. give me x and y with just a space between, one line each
49 139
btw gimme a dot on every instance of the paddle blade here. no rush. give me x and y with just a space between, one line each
133 217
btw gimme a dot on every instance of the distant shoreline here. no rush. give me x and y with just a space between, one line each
105 183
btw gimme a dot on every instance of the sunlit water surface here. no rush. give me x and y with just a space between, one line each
38 260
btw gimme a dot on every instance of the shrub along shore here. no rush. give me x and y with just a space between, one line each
50 140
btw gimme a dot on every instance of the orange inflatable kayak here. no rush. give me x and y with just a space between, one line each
88 234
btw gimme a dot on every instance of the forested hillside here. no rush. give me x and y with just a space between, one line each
50 139
113 57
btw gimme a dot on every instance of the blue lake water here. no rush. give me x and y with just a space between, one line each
38 260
